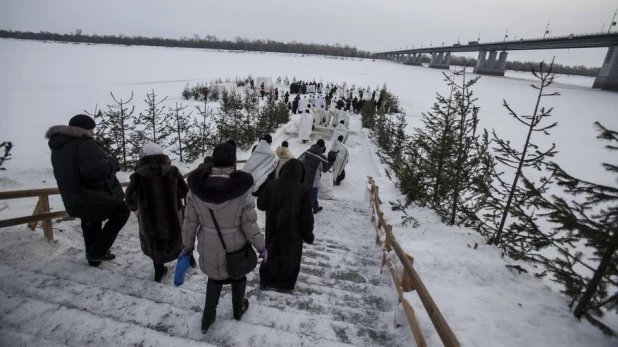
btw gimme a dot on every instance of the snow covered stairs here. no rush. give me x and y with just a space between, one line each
340 298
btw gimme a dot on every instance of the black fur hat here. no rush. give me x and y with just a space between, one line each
224 155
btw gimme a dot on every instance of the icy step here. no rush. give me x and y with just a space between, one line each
73 326
16 339
166 317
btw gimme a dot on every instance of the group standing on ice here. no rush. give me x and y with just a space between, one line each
219 210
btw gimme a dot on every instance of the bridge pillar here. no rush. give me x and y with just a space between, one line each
417 59
414 59
489 65
440 60
608 76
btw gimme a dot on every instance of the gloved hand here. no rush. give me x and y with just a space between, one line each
263 253
185 252
332 156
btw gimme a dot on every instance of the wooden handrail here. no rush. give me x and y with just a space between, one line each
410 280
31 219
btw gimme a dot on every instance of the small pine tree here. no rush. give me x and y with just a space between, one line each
186 92
592 218
153 122
214 93
115 130
185 142
204 124
286 81
278 80
511 198
6 147
232 122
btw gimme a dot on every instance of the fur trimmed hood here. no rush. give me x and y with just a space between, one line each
153 166
66 131
59 135
284 153
215 187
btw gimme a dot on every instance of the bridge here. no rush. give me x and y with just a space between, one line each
492 55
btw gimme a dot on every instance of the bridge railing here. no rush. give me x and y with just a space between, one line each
42 211
570 36
410 281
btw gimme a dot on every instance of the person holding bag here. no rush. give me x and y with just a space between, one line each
156 190
220 213
90 191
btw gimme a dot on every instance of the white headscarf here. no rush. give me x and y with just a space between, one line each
150 149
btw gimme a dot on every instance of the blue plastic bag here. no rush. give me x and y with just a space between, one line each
182 265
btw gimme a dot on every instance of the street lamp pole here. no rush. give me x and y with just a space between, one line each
547 28
602 26
613 22
506 34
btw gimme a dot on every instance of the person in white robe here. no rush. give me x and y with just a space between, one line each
341 161
261 165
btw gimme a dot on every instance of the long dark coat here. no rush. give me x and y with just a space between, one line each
79 161
289 222
156 190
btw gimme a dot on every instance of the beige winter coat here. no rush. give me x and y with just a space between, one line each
284 155
228 194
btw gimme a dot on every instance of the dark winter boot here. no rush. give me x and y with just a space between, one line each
192 262
94 263
240 304
213 291
160 270
316 210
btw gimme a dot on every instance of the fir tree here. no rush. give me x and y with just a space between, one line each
473 162
5 147
251 108
204 124
232 122
593 218
286 81
186 92
115 129
510 197
214 93
186 142
434 142
153 123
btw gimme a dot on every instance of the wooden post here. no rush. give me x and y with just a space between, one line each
409 311
444 330
387 242
47 223
37 210
406 281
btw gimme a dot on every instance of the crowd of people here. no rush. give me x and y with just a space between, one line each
219 210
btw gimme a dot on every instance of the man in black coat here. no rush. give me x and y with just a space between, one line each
86 178
289 222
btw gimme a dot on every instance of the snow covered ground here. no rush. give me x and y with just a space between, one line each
48 290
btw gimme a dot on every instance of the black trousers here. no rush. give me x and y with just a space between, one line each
213 292
99 239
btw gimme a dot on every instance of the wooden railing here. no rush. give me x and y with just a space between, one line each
42 212
410 280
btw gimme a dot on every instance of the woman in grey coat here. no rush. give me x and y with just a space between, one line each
228 193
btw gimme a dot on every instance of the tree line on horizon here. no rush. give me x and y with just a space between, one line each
208 41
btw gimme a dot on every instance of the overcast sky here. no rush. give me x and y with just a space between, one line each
368 24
